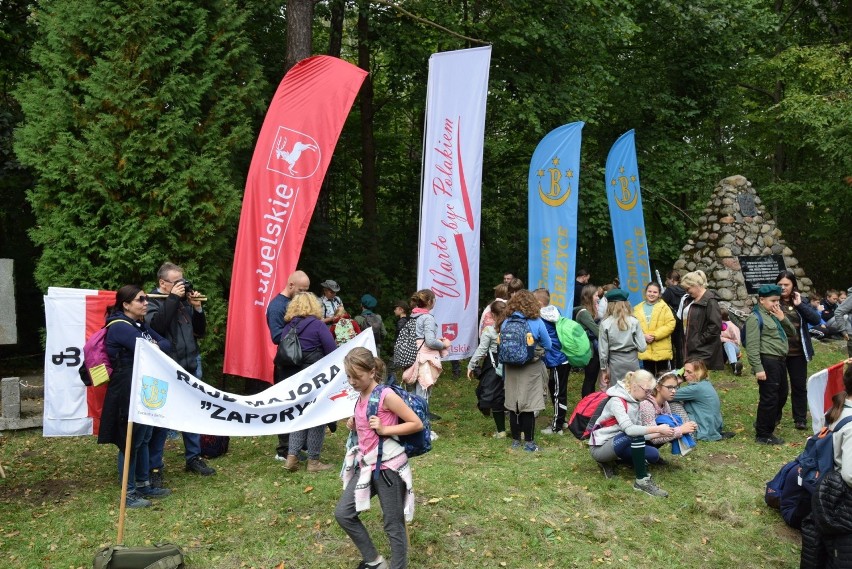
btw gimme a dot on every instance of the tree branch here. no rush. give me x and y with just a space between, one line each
428 22
758 90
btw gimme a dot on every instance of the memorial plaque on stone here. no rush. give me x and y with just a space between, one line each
747 205
760 270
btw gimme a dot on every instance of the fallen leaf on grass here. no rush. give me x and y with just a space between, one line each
308 489
433 500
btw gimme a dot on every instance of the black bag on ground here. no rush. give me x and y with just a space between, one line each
160 556
213 446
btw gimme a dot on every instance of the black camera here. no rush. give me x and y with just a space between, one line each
187 286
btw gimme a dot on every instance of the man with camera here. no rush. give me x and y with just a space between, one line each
180 318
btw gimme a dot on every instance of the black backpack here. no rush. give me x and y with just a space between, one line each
405 348
289 353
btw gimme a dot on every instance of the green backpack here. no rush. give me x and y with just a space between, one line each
575 342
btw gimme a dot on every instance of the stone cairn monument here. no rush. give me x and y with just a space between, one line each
735 224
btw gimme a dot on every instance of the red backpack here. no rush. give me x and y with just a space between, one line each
585 417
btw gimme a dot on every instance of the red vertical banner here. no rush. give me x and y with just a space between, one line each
96 311
290 160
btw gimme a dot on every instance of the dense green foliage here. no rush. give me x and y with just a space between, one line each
133 122
139 117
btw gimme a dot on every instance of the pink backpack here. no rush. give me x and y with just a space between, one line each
96 368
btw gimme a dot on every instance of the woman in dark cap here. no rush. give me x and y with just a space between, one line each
766 333
800 350
620 338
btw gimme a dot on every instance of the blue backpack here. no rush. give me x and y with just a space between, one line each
414 444
515 342
743 327
818 457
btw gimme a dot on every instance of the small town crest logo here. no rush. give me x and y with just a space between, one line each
560 186
629 195
154 392
294 154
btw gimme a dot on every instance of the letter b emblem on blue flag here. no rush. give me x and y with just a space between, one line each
553 182
625 212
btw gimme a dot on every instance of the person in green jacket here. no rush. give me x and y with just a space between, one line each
766 333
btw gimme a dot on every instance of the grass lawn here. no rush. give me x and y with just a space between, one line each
479 504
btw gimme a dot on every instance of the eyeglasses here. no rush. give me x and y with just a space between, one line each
141 299
645 391
670 387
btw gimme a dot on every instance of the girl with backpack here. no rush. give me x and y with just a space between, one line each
620 338
658 323
393 484
584 314
618 433
430 347
524 383
490 393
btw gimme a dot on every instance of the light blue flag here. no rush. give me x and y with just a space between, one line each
553 183
625 212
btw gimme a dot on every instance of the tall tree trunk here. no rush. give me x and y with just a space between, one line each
368 143
300 20
335 34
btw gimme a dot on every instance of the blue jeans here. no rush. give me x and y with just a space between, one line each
732 351
621 445
191 441
138 457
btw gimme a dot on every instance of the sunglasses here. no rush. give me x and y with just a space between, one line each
141 299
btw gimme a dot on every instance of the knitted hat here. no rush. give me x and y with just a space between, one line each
369 301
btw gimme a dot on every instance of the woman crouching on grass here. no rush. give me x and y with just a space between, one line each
619 434
656 404
394 486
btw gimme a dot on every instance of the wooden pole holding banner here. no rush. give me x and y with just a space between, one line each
124 475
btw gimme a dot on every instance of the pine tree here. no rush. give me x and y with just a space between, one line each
137 123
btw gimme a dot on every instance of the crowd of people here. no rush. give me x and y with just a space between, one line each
651 360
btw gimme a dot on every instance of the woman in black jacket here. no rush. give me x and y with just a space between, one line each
702 322
126 323
800 350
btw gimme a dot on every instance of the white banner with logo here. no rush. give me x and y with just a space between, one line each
65 407
452 190
165 395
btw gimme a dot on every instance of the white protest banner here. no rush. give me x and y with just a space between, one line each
165 395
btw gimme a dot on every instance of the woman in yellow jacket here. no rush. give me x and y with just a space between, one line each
657 322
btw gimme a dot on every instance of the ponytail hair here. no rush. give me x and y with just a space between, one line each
361 359
839 399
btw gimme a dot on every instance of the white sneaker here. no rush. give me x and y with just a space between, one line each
550 431
500 435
